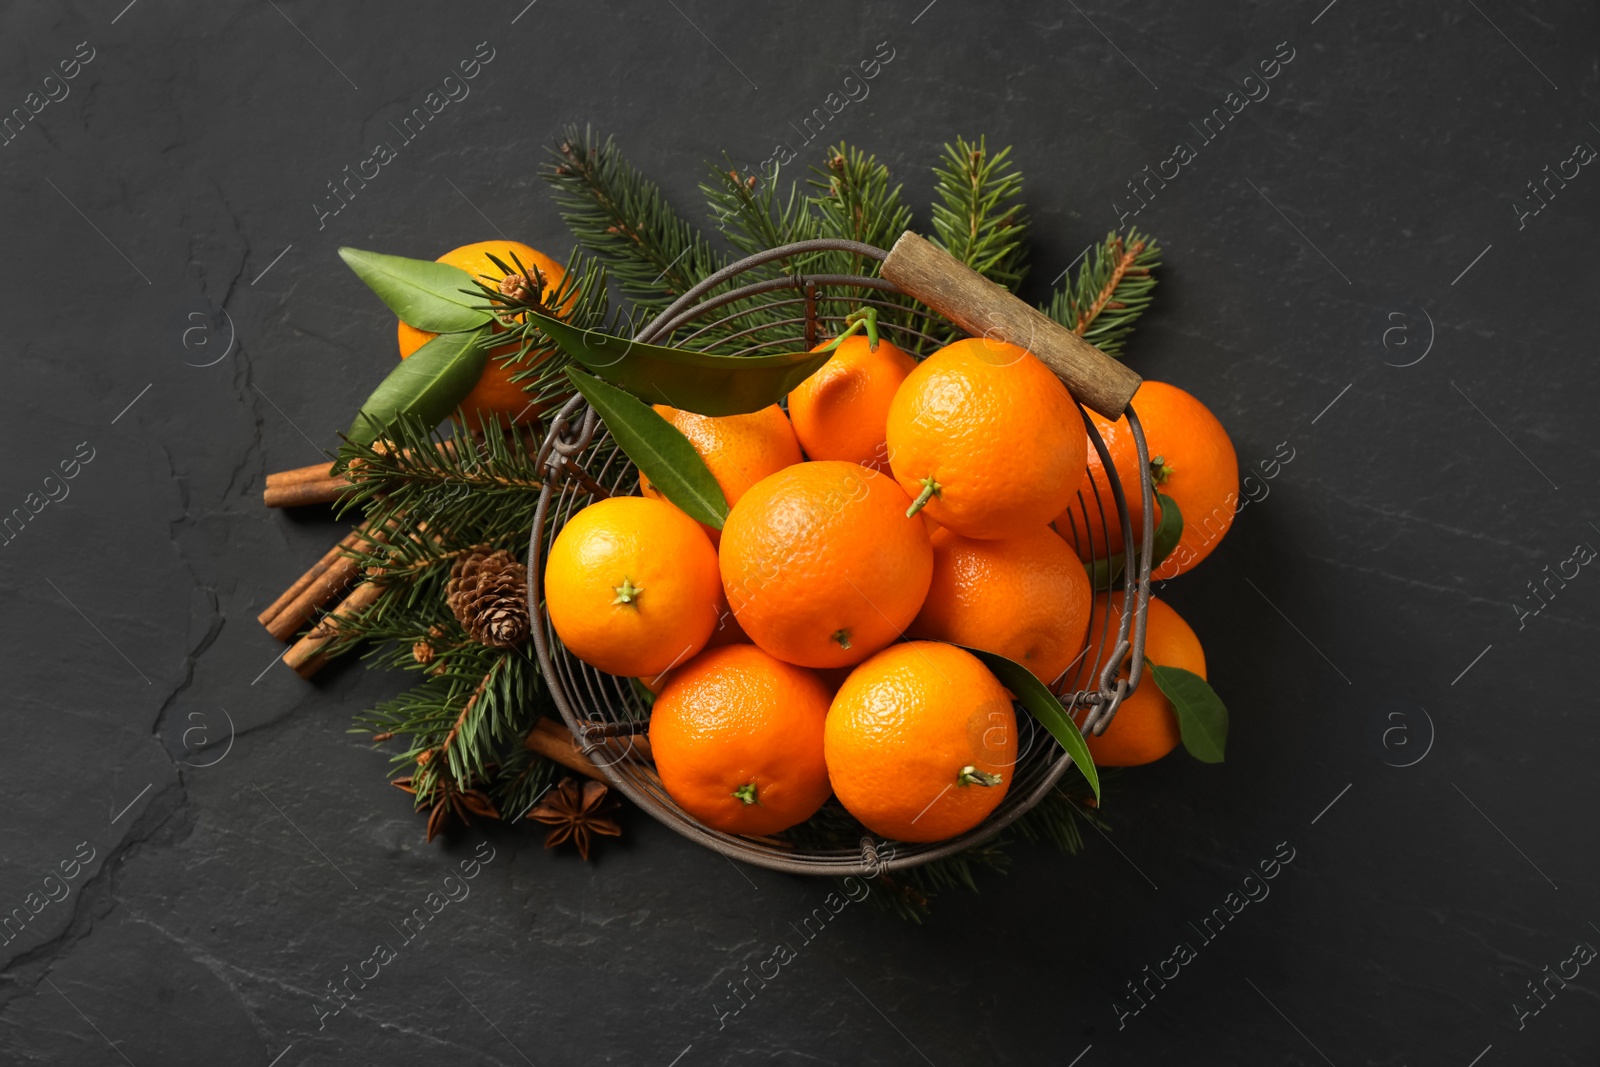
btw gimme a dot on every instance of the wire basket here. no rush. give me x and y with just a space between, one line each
606 714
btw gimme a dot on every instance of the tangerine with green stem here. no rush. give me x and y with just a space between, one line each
842 410
631 586
921 742
737 738
1193 462
821 564
986 438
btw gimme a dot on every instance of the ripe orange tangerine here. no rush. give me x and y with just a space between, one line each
1145 727
842 410
1193 462
1024 597
986 438
736 735
495 392
822 566
631 586
740 450
1090 523
921 742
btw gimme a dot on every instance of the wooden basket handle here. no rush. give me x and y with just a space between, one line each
984 309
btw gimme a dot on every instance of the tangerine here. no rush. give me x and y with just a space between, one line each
1145 727
821 565
736 735
986 438
1193 462
1025 597
1091 523
495 392
740 450
631 586
841 411
921 742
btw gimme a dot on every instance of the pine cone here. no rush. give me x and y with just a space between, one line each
488 593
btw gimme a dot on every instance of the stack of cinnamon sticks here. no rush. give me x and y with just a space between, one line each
316 484
335 579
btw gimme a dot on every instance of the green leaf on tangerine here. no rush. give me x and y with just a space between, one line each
1045 707
692 381
422 293
1106 573
657 448
429 384
1202 717
1168 533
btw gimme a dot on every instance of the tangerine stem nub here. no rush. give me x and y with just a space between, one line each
856 321
1160 470
970 775
930 489
841 636
628 593
747 793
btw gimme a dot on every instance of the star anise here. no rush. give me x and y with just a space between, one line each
577 813
447 801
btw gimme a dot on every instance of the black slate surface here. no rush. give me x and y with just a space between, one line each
1350 276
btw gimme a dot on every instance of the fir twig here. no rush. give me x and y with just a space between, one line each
1112 289
855 201
754 217
978 215
623 218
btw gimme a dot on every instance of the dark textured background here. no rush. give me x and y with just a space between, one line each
1372 588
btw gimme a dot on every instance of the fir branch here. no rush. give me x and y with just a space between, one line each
522 778
1059 818
623 218
855 201
471 712
538 364
978 216
1112 289
468 723
754 217
438 492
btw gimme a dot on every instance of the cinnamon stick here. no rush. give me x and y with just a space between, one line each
301 583
334 580
554 741
300 494
307 656
314 473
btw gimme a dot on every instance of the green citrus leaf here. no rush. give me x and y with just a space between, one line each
1202 717
692 381
424 294
657 448
1045 707
1106 573
429 384
1168 533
